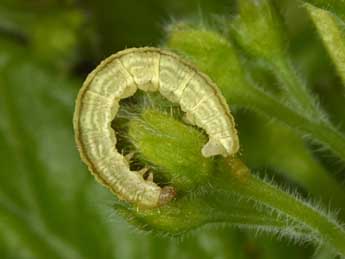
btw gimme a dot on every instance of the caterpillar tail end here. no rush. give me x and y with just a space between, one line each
213 148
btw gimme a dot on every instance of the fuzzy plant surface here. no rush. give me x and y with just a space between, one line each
280 66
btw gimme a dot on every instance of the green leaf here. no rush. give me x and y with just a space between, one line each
335 6
258 29
42 177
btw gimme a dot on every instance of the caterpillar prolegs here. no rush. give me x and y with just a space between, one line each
148 69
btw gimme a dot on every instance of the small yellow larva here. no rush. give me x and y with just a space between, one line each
148 69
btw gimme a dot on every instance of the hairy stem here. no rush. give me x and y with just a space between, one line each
292 159
212 206
322 225
321 131
296 91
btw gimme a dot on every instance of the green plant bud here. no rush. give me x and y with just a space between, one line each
171 146
258 29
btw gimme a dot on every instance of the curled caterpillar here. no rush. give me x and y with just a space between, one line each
148 69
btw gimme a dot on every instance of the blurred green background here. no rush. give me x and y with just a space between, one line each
50 205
